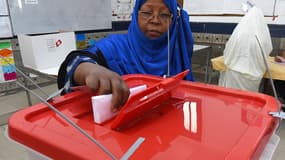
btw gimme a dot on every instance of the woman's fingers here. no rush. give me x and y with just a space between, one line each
121 92
92 82
103 81
104 86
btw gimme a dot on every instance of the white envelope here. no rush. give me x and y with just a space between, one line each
102 105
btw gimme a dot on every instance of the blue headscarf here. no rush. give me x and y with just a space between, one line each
150 56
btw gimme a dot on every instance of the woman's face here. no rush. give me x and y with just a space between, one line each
154 18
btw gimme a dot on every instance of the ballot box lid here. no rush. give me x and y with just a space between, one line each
191 121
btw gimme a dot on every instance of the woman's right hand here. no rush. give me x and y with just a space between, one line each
103 81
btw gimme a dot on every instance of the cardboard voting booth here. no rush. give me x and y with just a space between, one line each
45 53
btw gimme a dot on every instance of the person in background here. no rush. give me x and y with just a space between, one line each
144 49
280 85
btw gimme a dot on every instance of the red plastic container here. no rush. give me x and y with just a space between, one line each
225 124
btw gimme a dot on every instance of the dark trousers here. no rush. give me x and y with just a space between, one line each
280 88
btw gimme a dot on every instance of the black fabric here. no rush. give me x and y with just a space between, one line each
280 88
98 57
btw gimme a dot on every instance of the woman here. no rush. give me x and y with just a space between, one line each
144 49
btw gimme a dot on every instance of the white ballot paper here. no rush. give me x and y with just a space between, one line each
102 105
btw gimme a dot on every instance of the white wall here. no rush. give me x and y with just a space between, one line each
280 10
127 6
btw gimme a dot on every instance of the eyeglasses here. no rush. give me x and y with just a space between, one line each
147 15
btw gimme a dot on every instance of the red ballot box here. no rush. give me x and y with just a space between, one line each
189 121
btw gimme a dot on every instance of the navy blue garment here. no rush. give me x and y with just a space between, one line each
136 53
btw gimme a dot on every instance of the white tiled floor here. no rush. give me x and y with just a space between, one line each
12 151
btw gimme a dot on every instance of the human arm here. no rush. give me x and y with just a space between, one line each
90 69
279 59
102 81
